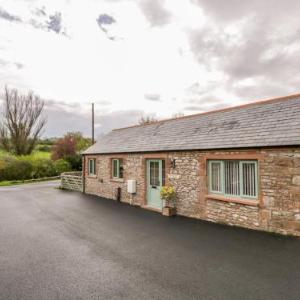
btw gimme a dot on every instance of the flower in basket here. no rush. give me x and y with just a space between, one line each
168 194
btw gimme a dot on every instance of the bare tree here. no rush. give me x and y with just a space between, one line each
177 115
23 121
147 120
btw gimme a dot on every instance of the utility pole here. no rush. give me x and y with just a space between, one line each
93 125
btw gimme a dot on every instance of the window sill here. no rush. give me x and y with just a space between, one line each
253 202
117 180
92 176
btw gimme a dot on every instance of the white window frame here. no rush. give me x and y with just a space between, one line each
118 168
222 192
92 166
210 177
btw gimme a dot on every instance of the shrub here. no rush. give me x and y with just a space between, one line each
43 168
64 147
4 163
21 170
168 194
15 169
69 148
75 161
28 167
61 166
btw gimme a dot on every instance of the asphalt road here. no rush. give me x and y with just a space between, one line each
63 245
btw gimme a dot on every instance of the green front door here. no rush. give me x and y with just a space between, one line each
154 182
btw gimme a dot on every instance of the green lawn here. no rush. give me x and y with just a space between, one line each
39 154
9 183
2 153
34 155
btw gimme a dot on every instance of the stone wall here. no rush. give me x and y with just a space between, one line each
71 181
232 214
277 209
105 186
280 180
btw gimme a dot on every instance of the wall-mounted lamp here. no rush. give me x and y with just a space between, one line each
173 163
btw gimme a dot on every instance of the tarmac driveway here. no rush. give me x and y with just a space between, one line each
64 245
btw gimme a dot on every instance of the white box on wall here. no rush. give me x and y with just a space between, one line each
131 186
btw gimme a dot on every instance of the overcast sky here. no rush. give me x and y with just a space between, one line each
153 57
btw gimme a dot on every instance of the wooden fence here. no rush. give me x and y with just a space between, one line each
72 181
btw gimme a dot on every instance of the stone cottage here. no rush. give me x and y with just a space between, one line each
237 166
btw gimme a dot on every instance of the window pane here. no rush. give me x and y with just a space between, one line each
121 168
163 173
232 184
92 166
115 168
249 179
152 179
216 184
154 173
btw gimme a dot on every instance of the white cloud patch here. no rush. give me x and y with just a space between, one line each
155 12
148 57
63 117
9 17
105 21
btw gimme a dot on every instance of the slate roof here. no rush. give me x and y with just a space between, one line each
273 122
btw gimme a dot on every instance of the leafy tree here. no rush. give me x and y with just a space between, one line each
81 142
70 147
64 148
22 122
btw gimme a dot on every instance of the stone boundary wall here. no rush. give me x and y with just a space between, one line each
72 181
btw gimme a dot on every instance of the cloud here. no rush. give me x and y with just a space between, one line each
155 12
3 62
202 108
19 65
153 97
103 103
40 11
51 22
6 63
9 17
193 108
202 53
63 117
256 56
55 22
105 19
231 10
104 22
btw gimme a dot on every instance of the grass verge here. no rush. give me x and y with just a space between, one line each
18 182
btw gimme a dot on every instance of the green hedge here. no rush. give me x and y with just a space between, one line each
22 168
